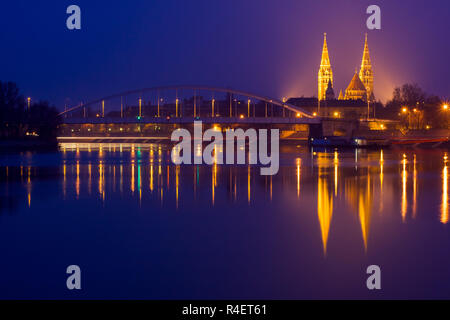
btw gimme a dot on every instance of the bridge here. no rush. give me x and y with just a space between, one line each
157 111
169 96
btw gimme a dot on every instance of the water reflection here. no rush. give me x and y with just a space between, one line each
322 186
444 206
324 200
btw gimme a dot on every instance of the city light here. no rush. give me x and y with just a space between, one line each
336 114
404 110
241 116
298 115
445 106
314 114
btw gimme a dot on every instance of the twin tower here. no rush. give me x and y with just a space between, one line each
360 87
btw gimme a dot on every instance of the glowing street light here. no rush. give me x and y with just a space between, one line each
29 102
404 110
445 106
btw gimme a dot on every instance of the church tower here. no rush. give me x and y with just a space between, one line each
325 72
366 73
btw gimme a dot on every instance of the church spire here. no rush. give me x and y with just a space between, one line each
325 57
366 72
325 72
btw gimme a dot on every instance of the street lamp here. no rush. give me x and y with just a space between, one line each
445 106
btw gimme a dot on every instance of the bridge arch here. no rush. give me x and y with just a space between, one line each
269 100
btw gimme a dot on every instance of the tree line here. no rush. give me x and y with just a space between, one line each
21 119
415 108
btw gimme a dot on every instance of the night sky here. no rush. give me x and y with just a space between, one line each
266 47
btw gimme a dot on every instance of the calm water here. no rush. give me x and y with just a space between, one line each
140 227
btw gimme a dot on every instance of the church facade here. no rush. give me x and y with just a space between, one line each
351 103
360 86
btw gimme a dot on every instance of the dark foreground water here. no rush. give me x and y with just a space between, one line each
140 227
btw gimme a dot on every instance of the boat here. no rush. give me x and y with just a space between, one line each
342 142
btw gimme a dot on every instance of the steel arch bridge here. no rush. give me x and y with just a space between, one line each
79 112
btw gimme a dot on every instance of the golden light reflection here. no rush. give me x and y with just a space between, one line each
121 179
248 184
114 178
132 177
444 206
414 205
336 164
90 178
404 185
213 183
270 188
299 163
177 183
381 180
365 210
168 177
152 155
64 179
101 176
324 202
77 181
151 178
29 187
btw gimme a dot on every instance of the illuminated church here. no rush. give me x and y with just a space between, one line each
361 85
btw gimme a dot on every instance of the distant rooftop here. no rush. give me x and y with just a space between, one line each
312 102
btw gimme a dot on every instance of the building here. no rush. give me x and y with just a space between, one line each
366 72
356 89
325 72
334 108
361 85
329 94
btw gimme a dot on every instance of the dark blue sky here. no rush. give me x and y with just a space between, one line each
263 46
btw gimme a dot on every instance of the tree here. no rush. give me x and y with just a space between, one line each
409 95
12 105
415 106
16 120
